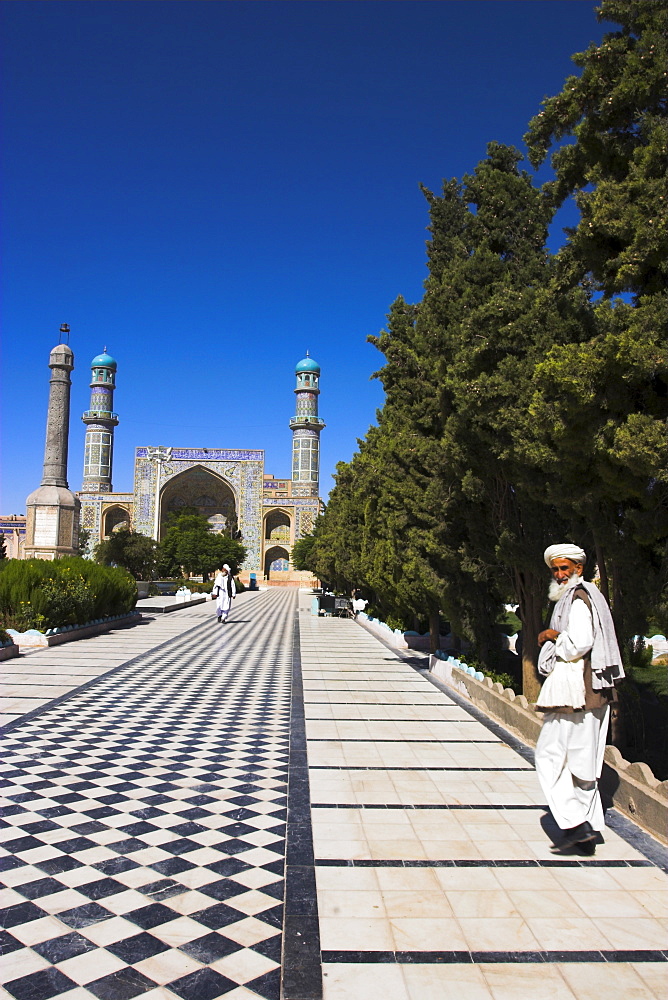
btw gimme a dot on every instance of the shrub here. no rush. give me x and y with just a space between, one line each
38 594
67 600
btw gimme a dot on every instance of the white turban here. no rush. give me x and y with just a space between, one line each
564 551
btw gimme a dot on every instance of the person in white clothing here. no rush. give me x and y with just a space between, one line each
581 663
224 591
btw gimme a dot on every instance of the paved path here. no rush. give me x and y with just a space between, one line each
434 874
35 678
146 853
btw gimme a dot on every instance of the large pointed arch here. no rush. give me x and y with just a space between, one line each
274 556
277 527
114 517
203 489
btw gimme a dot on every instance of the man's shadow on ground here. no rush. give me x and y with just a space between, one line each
555 834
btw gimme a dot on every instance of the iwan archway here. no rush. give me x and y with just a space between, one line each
113 518
276 562
202 489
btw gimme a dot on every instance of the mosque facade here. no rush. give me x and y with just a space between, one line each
228 486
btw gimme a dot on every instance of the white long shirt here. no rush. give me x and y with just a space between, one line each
565 685
578 638
223 601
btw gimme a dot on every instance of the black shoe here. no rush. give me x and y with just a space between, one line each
580 834
587 848
220 618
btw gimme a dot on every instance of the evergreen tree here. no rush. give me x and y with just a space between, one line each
131 550
600 408
302 553
191 547
617 113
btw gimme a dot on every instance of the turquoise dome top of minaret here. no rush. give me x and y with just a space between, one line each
104 360
307 364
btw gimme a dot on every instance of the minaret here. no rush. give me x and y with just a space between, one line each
52 522
100 421
306 426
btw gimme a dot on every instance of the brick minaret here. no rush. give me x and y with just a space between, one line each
306 426
100 421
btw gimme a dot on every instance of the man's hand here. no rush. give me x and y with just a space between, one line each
546 635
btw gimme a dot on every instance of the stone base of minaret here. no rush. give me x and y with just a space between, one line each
52 523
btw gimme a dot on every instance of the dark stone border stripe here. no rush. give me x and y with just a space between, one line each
370 739
385 704
418 805
376 767
489 957
416 722
480 863
302 964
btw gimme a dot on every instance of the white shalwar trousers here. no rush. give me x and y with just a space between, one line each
569 760
223 605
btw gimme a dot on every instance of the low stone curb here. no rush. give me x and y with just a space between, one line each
397 638
164 609
9 651
77 633
632 788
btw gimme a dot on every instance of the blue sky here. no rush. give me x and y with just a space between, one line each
211 188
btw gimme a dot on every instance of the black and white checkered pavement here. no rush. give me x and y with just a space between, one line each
143 823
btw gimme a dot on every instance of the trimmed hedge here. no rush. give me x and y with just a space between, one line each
35 593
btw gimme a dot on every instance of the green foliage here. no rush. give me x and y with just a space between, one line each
638 657
615 112
38 594
502 678
66 600
190 546
131 550
394 622
303 556
509 622
84 539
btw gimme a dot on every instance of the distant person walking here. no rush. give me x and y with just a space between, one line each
581 663
224 592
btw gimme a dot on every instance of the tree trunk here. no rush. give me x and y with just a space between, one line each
434 631
617 606
603 573
531 613
616 733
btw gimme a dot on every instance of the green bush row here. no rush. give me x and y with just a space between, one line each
38 594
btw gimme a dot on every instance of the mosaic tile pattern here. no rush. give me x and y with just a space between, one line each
143 824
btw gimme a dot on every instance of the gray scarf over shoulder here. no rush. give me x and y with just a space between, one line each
606 660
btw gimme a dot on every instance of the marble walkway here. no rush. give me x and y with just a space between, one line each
40 675
283 807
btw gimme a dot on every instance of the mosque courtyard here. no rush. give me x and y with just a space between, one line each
284 807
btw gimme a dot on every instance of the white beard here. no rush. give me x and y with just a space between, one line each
557 590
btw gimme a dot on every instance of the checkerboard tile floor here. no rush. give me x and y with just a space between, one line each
143 825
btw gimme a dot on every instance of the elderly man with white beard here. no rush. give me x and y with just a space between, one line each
581 662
